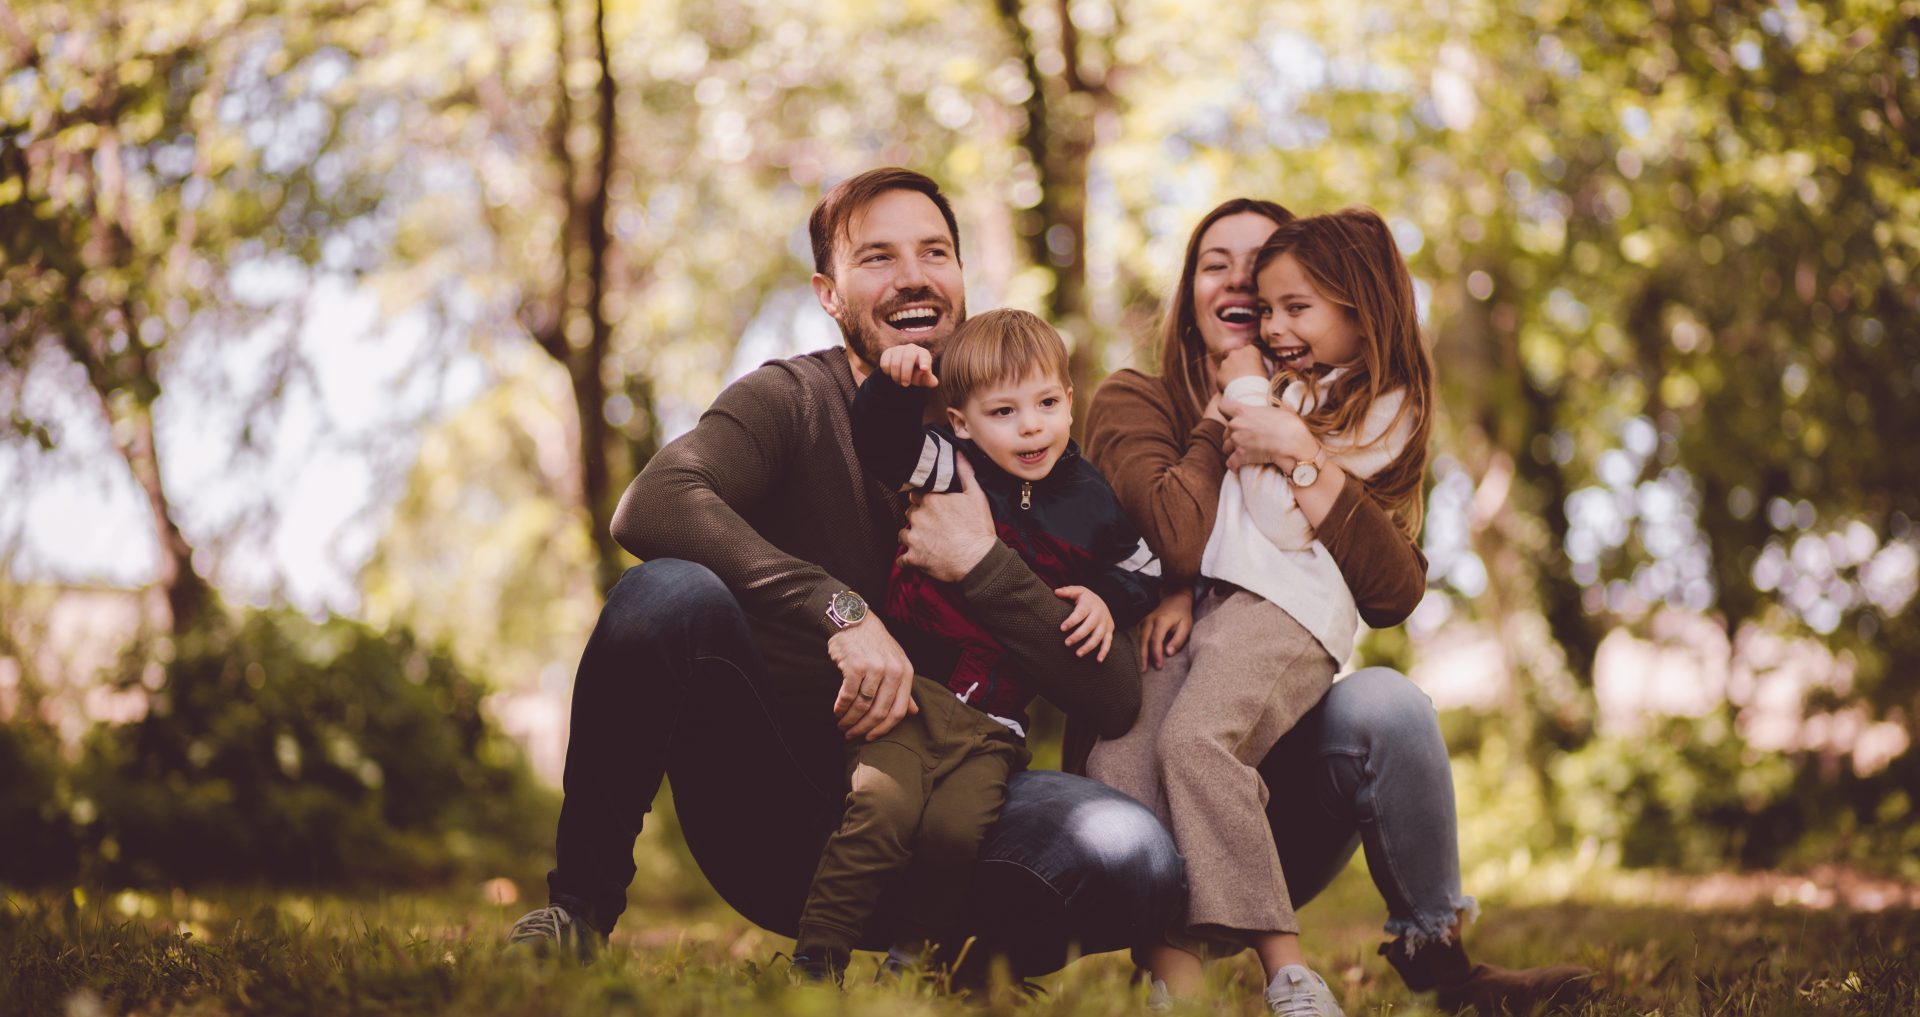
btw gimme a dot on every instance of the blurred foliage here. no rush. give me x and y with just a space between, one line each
1689 793
285 750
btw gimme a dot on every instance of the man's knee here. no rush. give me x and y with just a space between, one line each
667 596
1379 706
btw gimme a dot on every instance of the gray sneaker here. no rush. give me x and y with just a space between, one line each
554 928
1298 992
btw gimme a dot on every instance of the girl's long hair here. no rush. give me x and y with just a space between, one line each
1184 365
1351 258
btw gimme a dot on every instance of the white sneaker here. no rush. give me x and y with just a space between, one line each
1298 992
1159 1000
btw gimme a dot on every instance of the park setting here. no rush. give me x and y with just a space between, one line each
336 333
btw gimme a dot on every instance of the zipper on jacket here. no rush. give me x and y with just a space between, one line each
1026 495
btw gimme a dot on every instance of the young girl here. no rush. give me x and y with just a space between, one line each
1354 385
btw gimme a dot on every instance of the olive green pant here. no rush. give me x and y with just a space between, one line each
1207 717
923 794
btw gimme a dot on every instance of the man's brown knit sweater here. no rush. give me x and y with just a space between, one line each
766 492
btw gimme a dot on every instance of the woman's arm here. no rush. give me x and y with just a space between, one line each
1168 482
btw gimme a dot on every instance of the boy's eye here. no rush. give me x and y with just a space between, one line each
999 411
1050 401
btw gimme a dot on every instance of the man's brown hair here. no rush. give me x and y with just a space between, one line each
1185 366
833 216
997 348
1350 256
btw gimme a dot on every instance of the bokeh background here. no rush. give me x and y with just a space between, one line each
334 329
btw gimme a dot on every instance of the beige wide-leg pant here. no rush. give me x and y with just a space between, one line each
1207 716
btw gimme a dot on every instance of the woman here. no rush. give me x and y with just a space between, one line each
1376 767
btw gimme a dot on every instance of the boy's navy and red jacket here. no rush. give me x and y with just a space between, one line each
1068 527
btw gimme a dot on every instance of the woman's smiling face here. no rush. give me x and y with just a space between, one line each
1223 294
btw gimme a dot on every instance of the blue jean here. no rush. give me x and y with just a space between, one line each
670 685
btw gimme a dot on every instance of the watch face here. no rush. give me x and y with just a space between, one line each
848 605
1305 474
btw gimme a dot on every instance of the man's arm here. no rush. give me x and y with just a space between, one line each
1010 602
683 504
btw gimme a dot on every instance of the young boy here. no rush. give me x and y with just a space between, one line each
926 792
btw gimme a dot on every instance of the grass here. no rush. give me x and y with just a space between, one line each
683 953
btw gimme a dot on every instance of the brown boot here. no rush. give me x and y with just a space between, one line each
1459 984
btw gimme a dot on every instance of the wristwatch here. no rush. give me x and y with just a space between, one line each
846 608
1305 473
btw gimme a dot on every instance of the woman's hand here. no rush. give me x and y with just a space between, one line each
1266 434
1212 412
1164 631
1245 362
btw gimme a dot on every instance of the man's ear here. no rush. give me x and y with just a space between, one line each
958 422
828 295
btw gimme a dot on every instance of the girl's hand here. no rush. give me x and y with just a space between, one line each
1091 622
1245 362
908 364
1165 629
1266 434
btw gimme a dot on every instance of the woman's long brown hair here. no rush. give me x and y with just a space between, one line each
1350 256
1183 355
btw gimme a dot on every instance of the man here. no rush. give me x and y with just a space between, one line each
742 653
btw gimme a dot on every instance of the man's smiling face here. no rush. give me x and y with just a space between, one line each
896 278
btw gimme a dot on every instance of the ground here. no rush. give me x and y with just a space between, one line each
1665 945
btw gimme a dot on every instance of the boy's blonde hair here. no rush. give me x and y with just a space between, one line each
999 347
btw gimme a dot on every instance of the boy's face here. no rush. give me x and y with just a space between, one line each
1022 426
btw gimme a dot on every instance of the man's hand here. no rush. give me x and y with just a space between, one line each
1245 362
1090 624
876 687
908 364
948 534
1164 631
1266 434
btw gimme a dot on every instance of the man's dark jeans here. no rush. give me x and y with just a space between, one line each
671 685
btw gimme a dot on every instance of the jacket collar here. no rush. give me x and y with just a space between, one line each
993 478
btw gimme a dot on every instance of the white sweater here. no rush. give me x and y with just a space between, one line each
1261 540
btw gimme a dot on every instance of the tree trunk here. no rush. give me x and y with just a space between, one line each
1058 136
585 249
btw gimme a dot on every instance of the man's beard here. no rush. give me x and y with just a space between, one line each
863 336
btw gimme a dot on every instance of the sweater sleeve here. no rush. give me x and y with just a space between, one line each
1168 482
1384 569
684 503
1008 600
894 445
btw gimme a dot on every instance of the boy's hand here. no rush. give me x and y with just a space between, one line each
1091 623
1164 631
908 364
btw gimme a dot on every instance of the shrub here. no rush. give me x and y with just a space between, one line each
300 752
